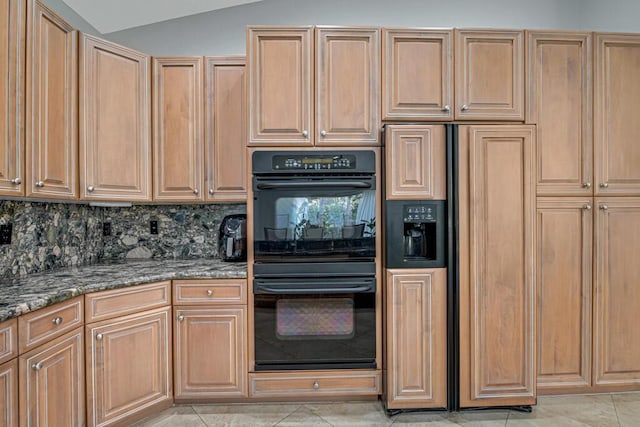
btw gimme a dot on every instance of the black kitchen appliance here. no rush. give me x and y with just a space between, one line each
232 238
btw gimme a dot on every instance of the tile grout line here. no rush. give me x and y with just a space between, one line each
615 408
506 421
318 415
286 416
198 414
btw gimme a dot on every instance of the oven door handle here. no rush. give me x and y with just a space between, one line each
266 289
275 185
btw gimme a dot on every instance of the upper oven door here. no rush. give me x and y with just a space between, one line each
319 217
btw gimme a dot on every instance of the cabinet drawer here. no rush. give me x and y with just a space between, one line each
225 291
314 383
8 340
120 302
51 322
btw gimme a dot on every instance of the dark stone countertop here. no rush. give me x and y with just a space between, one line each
24 294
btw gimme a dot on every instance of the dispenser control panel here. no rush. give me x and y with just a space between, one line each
419 213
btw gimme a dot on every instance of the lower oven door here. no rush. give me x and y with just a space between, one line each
314 324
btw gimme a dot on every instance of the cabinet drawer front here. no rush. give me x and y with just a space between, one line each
314 384
232 291
51 322
120 302
8 340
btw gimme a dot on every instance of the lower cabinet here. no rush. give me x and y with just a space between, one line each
297 385
416 338
9 393
128 367
52 383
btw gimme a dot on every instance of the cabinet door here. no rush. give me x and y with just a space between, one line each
128 366
616 360
416 338
52 105
280 85
417 74
12 67
226 129
177 129
210 349
52 383
559 102
489 75
9 393
564 236
497 259
115 122
616 124
416 162
347 86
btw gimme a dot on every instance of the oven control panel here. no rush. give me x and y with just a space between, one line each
419 213
314 162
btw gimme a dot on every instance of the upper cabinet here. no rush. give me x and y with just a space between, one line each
177 128
115 122
226 128
12 63
347 86
282 61
52 105
489 75
616 124
417 74
559 102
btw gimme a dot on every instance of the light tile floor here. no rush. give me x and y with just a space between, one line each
600 410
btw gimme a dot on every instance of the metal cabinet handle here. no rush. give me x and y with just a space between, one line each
180 318
39 184
604 207
603 185
446 108
316 386
90 188
465 107
211 191
195 191
99 337
37 366
305 133
587 207
16 181
587 185
209 292
323 133
57 320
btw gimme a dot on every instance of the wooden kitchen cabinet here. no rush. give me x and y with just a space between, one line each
12 68
559 102
489 75
564 248
416 354
347 86
9 393
128 367
52 105
616 357
51 386
497 265
178 131
615 117
416 162
226 128
281 67
417 74
115 122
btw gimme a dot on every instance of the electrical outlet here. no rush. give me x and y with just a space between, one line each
153 226
106 229
5 234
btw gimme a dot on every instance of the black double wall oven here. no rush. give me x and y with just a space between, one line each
314 269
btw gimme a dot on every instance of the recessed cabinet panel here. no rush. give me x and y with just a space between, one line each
616 124
177 129
280 96
489 75
347 86
9 393
564 244
559 102
12 67
115 122
417 74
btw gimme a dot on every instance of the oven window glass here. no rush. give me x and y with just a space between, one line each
322 318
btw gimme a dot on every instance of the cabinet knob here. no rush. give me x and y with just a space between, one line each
39 184
604 207
99 337
211 191
446 108
323 133
16 181
57 320
305 133
587 207
465 107
209 292
316 385
90 188
587 185
195 191
603 185
37 366
180 318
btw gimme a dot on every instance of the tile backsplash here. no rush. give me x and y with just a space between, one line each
53 235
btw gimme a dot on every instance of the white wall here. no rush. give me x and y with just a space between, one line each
223 32
612 15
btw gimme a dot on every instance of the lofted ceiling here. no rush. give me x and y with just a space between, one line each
115 15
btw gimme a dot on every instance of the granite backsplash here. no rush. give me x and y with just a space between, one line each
53 235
